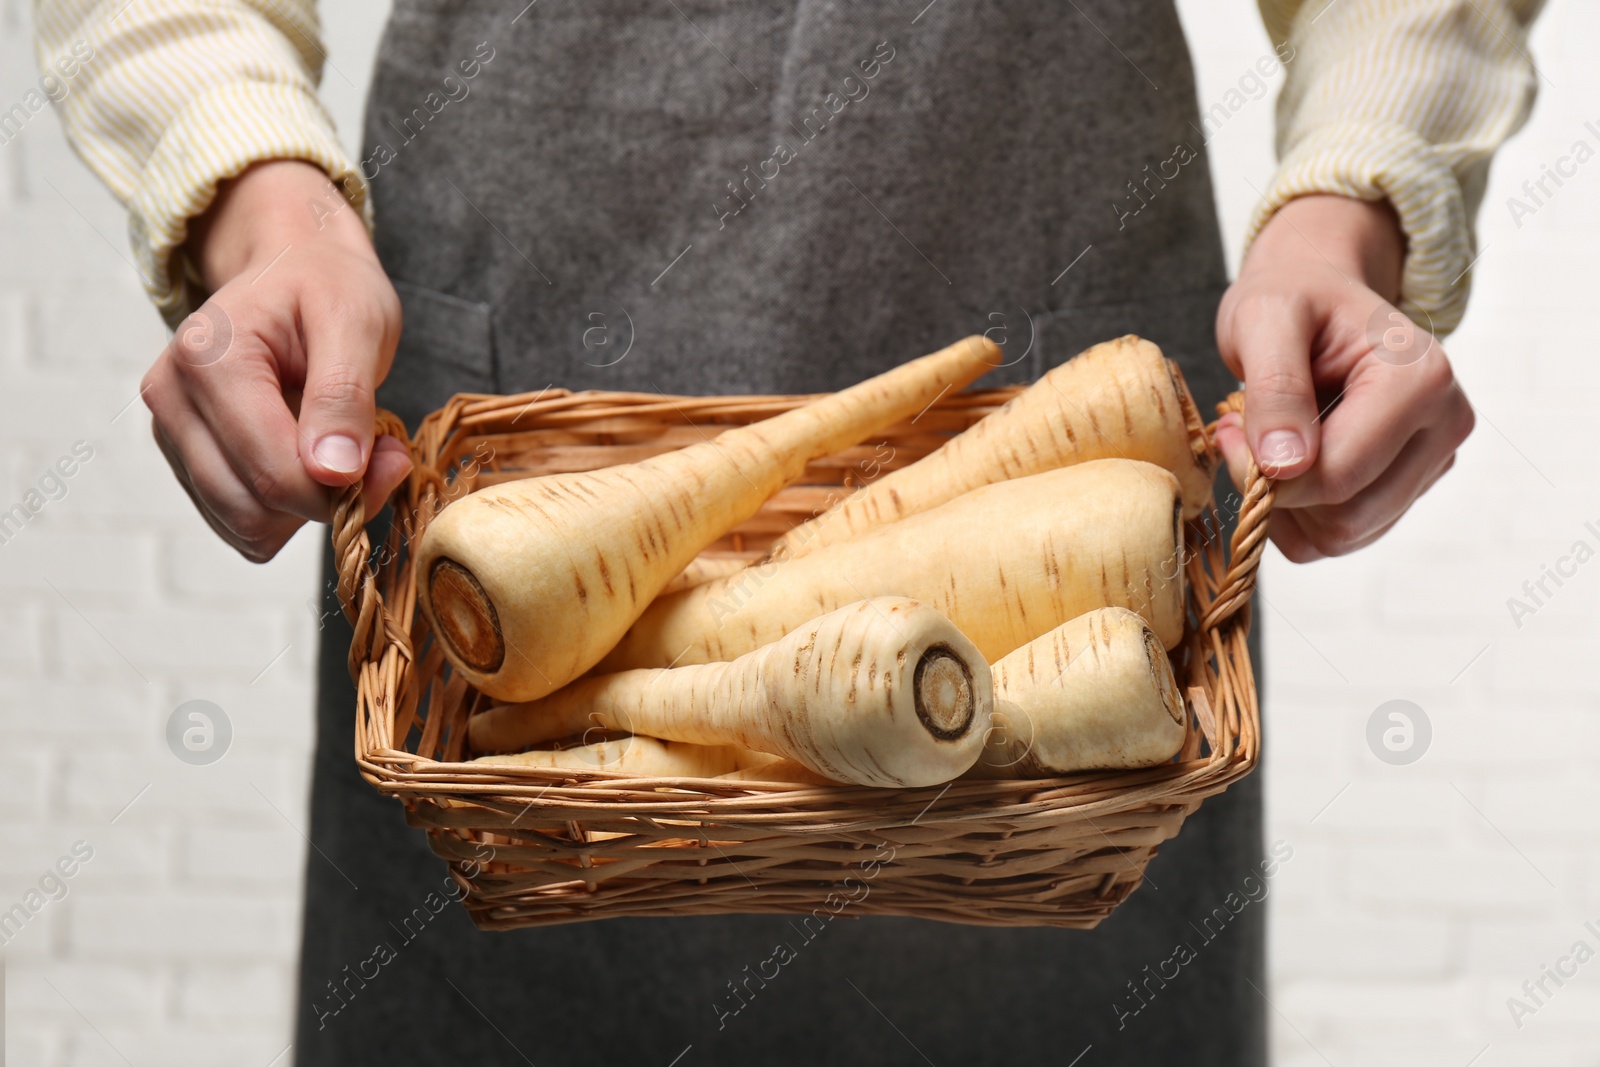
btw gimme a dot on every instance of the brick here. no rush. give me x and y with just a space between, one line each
1550 733
101 991
25 780
230 854
1569 1009
1424 586
169 638
77 712
182 927
275 713
119 855
53 413
105 324
1324 738
62 249
1410 809
127 856
1298 648
224 994
90 568
1361 947
1550 811
201 567
100 784
1332 587
33 1042
21 639
1352 1043
14 313
1535 661
1303 885
1477 882
1518 948
36 940
1371 1004
171 1047
128 480
1450 518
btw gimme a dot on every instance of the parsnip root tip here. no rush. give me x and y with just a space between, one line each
466 617
945 696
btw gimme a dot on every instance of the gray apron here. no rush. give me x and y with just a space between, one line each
702 196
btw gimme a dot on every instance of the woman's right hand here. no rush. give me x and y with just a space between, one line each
263 401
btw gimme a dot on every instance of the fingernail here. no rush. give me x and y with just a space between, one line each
338 453
1282 448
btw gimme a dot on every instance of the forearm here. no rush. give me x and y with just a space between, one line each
1405 102
271 207
181 96
1360 239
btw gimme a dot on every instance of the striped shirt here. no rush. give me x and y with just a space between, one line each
1399 99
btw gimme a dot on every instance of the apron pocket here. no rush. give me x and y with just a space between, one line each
446 347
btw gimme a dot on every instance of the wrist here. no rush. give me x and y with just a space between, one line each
270 206
1362 239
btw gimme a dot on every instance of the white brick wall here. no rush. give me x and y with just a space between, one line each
1418 900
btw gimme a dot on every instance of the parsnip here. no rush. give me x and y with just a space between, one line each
528 583
1120 399
779 770
1096 693
884 692
639 755
1006 563
702 570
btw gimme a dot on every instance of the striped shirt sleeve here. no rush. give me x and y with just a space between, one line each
179 95
1404 100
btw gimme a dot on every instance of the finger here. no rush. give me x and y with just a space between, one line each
173 415
1285 531
1345 528
1382 408
1269 340
348 344
225 503
1229 439
1297 542
388 467
240 400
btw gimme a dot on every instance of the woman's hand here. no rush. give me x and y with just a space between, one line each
263 401
1350 406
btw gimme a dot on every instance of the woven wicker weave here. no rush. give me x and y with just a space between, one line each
532 846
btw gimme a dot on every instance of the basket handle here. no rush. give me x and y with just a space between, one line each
1249 536
352 552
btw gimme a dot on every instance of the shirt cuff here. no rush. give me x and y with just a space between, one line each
215 137
1386 161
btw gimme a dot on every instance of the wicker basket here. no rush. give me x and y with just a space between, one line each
532 846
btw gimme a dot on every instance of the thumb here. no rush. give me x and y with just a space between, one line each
337 409
1273 355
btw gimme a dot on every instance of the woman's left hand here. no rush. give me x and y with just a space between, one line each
1350 406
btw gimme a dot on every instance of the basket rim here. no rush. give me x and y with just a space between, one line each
383 659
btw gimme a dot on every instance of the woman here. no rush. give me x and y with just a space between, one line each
781 196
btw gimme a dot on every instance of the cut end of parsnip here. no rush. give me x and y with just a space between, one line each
1166 684
945 699
1205 454
466 619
